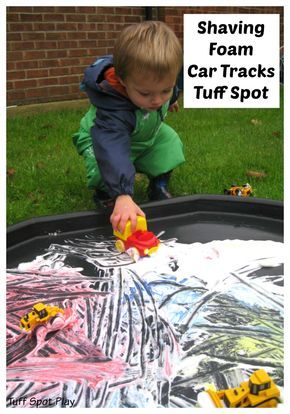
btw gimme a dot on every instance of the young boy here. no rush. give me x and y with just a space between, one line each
123 131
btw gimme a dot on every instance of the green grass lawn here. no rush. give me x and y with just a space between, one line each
46 176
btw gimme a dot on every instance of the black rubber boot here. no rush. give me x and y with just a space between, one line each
103 200
157 189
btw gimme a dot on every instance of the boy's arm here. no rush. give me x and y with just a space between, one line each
111 142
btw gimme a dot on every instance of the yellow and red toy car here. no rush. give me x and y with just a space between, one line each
244 190
139 243
39 315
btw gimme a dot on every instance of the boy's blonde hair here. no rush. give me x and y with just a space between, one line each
147 47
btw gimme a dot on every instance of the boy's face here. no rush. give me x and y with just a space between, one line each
147 91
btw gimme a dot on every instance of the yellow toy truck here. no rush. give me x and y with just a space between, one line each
244 190
259 391
39 315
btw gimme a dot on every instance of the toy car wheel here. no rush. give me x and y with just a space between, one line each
120 246
133 253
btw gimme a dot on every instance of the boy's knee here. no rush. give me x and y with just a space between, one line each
93 172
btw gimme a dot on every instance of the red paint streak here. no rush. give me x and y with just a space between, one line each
60 370
167 364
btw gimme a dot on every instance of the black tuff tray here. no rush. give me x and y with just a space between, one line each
199 218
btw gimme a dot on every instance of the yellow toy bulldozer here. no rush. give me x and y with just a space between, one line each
259 391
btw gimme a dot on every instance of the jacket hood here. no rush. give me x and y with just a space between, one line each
99 91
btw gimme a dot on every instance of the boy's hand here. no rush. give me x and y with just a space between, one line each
125 209
174 107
